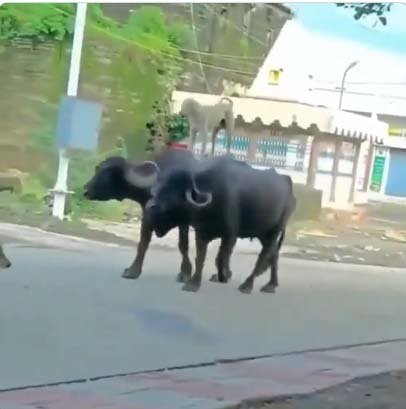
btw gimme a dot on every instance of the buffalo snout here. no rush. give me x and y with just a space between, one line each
151 204
5 263
86 191
155 217
90 190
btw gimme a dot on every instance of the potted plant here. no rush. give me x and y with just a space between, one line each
177 129
166 128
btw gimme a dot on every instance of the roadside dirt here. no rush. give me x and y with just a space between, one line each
387 391
379 239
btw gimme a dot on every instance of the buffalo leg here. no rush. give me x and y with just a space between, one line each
269 246
195 282
224 273
4 261
186 265
135 270
260 266
219 265
227 248
270 287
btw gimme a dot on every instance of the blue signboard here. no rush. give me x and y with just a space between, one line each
78 124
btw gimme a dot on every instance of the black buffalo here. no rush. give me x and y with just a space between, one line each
117 178
4 261
227 199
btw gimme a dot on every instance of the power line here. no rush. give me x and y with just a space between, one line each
364 82
217 55
175 57
153 51
192 17
186 50
257 40
365 94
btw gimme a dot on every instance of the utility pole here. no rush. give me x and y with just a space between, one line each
351 66
60 190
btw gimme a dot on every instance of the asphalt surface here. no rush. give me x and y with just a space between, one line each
66 314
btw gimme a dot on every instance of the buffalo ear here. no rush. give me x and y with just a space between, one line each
142 176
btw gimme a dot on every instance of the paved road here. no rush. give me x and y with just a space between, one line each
67 314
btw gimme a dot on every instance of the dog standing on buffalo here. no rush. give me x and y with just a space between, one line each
119 179
227 199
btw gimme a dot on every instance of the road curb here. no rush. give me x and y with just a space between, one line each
224 385
23 233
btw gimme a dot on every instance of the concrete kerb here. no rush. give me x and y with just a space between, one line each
16 233
373 358
26 234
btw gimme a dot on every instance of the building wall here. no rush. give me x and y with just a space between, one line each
379 173
397 124
396 181
313 66
259 148
323 180
389 161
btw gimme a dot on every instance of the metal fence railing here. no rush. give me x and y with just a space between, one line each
275 152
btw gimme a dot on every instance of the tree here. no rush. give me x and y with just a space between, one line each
369 9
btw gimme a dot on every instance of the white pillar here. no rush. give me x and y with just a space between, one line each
60 190
291 154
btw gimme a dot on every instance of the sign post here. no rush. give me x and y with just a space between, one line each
60 190
377 173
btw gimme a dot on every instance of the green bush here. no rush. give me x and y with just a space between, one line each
81 169
36 21
177 127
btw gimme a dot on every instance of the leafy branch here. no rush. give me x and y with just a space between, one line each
165 126
49 21
368 9
36 21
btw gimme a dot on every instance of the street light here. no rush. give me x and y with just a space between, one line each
351 66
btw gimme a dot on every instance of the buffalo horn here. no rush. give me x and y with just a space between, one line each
143 176
207 197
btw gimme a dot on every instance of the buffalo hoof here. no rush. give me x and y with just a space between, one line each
268 288
191 286
186 268
215 278
245 288
5 265
131 274
183 277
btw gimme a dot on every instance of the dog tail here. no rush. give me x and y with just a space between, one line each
229 100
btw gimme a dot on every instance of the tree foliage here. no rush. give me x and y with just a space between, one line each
44 21
165 126
369 9
149 24
36 21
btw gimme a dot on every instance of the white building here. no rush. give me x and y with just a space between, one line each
335 155
308 67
